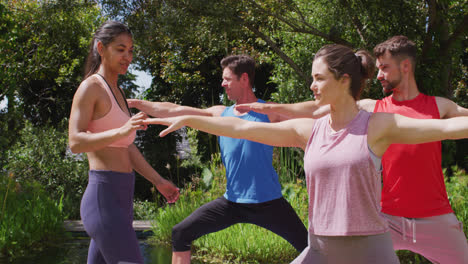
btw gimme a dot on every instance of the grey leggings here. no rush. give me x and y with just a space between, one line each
349 250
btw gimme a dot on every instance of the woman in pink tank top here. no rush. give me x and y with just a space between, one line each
341 160
102 126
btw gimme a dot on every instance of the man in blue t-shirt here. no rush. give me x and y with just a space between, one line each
253 192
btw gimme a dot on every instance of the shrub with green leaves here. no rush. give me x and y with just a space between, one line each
457 189
41 155
29 218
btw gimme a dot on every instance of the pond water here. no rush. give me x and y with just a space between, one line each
75 251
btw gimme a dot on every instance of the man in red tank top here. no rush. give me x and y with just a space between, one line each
414 198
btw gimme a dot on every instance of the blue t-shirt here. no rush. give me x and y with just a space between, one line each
250 175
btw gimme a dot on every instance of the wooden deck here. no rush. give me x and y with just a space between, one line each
77 225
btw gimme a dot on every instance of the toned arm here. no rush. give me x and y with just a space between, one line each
167 109
309 109
385 129
290 133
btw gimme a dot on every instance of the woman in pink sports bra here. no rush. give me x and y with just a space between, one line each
102 126
341 159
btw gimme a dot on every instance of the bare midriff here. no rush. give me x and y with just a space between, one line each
110 158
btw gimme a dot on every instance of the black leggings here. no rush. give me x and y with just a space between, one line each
278 216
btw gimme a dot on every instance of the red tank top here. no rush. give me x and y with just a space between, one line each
413 182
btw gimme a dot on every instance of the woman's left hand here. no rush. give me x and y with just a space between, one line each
172 123
168 190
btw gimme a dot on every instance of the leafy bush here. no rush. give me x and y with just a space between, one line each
457 189
41 155
29 218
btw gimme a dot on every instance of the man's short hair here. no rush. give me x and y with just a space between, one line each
240 64
400 47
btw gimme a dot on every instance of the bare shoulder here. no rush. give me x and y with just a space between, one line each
303 128
90 87
444 105
381 119
367 104
304 125
379 131
86 102
443 102
380 123
448 108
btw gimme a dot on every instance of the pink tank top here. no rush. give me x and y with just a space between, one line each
113 119
343 184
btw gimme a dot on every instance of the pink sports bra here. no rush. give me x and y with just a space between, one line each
115 118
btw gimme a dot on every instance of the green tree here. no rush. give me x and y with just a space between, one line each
289 32
41 155
43 45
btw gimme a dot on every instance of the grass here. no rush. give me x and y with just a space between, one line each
29 218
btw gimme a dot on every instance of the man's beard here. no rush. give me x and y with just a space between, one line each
387 89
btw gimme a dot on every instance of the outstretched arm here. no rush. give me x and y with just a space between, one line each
291 133
166 109
386 129
165 187
367 104
309 109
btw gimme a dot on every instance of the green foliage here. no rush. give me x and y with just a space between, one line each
144 210
193 161
185 66
457 189
207 178
408 257
289 164
43 46
29 218
43 51
41 155
286 34
193 158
